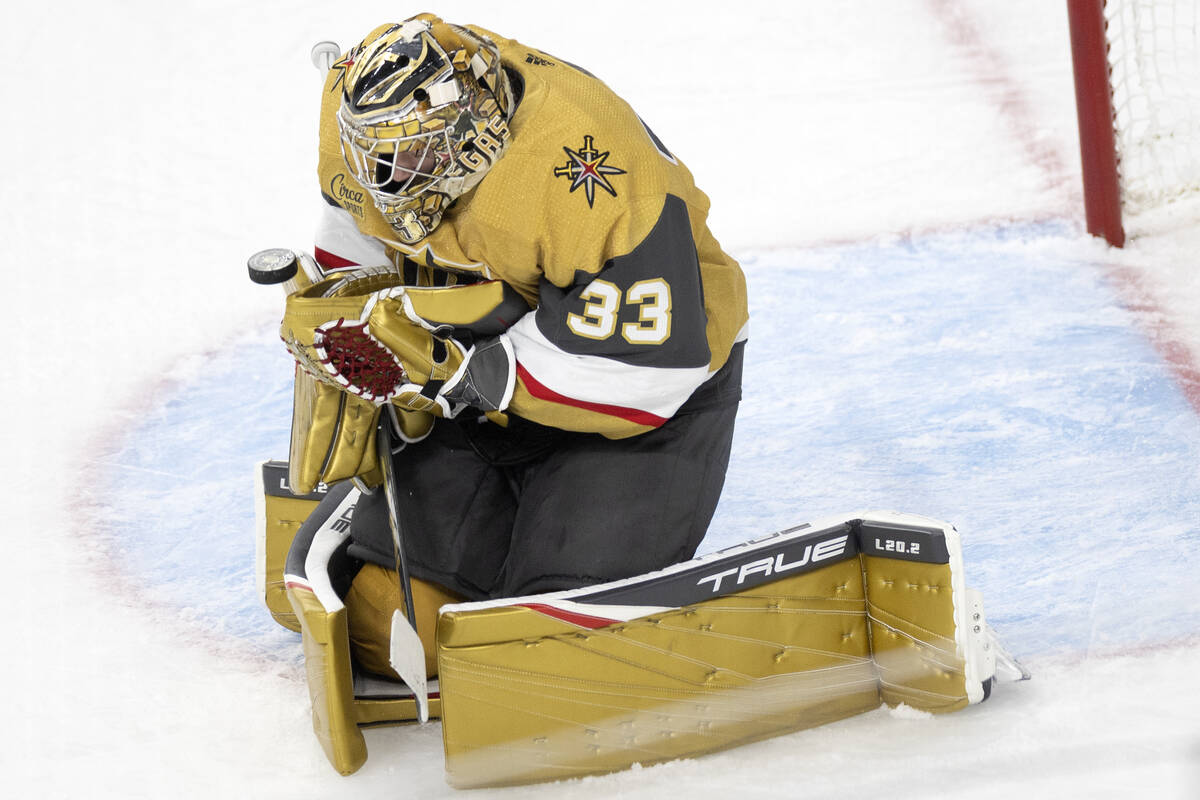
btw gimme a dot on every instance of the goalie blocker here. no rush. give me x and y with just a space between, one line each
806 626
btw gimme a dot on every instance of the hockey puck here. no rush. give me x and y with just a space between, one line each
272 266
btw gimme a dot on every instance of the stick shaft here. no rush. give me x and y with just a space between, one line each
392 492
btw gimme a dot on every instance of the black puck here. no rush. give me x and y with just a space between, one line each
272 266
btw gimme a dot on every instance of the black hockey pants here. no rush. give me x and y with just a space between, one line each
491 512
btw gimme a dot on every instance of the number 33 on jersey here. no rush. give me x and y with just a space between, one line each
599 317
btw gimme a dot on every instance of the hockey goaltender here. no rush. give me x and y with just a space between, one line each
519 358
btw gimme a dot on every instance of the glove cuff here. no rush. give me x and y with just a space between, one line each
487 377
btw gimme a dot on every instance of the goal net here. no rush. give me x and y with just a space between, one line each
1137 83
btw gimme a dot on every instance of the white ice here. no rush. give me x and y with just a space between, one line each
932 332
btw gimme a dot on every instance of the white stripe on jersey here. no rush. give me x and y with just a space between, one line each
593 379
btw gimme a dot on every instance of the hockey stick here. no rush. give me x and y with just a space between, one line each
392 492
405 651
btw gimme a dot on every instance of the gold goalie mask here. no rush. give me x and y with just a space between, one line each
423 117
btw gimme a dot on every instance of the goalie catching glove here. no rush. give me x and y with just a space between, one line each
401 344
392 354
380 348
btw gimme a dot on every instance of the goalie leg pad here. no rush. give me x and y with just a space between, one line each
330 683
913 635
800 628
567 698
279 514
344 698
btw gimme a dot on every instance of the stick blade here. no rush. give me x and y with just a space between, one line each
407 657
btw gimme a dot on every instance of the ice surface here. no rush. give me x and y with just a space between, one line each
931 332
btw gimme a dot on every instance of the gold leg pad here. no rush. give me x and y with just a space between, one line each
911 610
330 680
284 515
786 656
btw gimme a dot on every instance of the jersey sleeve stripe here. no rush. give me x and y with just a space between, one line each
595 382
543 392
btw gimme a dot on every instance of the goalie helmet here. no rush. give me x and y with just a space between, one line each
423 117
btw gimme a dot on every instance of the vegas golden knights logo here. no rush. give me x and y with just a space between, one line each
341 65
586 167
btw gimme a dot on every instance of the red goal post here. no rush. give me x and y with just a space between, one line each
1137 96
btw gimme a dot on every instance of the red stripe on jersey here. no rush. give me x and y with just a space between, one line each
328 260
543 392
582 620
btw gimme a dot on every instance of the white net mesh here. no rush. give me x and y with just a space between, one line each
1154 56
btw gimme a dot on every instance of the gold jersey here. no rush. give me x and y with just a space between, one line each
597 225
